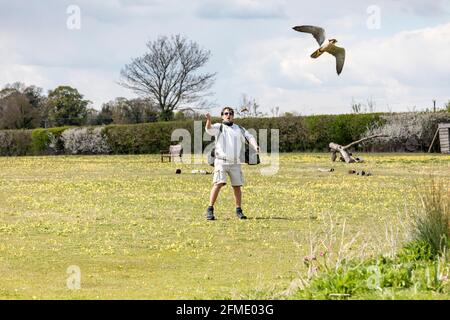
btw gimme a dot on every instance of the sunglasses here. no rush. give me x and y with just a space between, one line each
228 113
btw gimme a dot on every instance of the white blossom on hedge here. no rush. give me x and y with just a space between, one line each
85 141
412 130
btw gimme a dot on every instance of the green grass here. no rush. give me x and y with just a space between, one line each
137 230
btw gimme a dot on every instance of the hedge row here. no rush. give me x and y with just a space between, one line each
144 138
311 133
314 133
47 141
15 142
407 132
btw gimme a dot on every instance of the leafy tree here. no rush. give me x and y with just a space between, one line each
141 111
32 93
124 111
447 106
16 112
67 106
188 113
166 74
105 114
20 106
179 116
290 114
34 96
92 117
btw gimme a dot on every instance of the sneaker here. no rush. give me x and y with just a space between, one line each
210 214
240 214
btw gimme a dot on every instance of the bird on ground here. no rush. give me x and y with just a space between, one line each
325 46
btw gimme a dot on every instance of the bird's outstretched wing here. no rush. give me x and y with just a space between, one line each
317 32
339 54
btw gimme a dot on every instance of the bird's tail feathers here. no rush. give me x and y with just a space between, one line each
316 54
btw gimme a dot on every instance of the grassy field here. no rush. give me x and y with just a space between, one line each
136 230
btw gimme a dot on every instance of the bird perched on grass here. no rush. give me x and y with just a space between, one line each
325 46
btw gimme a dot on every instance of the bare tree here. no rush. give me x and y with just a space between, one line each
245 106
16 112
356 107
248 107
370 105
124 111
167 73
256 106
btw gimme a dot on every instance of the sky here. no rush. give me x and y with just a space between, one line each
397 51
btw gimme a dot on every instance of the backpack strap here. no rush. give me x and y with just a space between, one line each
220 131
243 133
213 150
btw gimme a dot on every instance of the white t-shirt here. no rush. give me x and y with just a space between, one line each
230 142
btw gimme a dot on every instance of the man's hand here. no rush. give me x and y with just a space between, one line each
208 120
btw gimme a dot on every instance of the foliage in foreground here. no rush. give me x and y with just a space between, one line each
421 265
432 223
414 268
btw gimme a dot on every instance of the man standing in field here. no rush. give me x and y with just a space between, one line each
230 139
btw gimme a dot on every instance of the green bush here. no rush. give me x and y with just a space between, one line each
47 141
314 133
414 267
432 222
143 138
416 251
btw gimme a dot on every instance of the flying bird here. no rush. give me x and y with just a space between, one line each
325 46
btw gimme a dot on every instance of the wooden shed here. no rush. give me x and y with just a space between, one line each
444 137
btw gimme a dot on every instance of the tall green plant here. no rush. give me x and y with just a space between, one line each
432 222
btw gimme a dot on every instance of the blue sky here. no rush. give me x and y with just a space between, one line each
402 65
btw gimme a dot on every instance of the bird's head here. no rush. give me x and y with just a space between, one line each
333 41
297 28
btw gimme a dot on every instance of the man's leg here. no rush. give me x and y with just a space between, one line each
237 196
237 180
215 193
219 180
238 199
212 200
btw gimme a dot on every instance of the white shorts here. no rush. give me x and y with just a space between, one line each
221 170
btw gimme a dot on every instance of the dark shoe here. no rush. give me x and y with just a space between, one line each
210 214
240 214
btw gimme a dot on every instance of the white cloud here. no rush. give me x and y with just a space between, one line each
407 69
241 9
426 7
105 89
139 3
20 73
95 84
11 68
417 58
253 48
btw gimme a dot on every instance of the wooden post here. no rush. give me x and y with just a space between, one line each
432 142
345 155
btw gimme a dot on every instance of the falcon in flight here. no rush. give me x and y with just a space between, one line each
325 46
